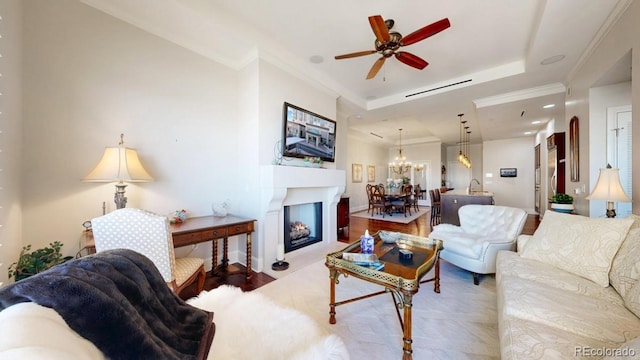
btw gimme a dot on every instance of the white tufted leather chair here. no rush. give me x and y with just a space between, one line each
484 230
148 234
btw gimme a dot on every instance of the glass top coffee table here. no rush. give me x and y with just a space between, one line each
400 276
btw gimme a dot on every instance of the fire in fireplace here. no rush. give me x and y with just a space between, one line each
303 225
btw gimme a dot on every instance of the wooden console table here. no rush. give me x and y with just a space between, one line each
202 229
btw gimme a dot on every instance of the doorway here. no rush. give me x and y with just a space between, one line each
619 150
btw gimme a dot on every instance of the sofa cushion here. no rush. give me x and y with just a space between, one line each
32 331
524 340
628 350
512 264
580 245
632 300
625 268
595 318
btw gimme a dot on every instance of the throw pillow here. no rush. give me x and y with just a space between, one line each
577 244
625 268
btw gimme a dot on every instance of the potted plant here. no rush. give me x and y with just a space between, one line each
562 202
313 161
37 261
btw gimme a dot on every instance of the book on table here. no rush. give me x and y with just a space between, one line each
369 260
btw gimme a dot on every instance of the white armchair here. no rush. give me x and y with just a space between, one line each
484 230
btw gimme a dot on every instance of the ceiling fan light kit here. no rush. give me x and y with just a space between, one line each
388 43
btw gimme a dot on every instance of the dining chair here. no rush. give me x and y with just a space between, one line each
148 234
415 195
403 201
369 189
418 190
434 195
380 201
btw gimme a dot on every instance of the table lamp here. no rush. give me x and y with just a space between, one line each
119 164
609 189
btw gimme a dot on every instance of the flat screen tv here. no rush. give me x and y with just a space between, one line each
305 133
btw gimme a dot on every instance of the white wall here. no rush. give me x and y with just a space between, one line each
89 77
364 153
600 99
623 37
474 153
510 191
10 135
202 130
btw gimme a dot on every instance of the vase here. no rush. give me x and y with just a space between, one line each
563 208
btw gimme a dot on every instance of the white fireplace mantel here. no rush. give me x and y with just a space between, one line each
291 185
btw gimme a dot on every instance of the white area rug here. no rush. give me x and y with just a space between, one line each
399 218
251 326
459 323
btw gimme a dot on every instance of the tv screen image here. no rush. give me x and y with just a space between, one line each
307 134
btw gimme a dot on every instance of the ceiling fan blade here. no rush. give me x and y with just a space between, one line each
379 28
425 32
355 54
375 68
411 60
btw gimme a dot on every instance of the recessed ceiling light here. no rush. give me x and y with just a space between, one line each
548 106
316 59
536 122
528 133
551 60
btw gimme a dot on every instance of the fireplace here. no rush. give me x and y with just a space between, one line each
304 225
284 186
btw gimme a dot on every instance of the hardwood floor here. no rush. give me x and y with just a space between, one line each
419 227
357 227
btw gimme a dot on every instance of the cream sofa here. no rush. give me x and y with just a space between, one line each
484 230
571 291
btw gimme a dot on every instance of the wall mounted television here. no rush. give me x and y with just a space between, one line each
305 133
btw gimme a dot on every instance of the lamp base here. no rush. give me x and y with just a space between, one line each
118 197
611 211
280 265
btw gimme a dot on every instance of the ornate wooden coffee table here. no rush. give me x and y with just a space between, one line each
401 278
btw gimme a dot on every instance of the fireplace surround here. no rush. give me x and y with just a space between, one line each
293 185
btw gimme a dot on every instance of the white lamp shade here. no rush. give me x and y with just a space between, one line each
119 164
608 187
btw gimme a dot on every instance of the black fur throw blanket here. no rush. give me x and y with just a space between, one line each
119 301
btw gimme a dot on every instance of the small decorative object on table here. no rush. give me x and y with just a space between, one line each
313 161
389 237
220 209
179 216
366 243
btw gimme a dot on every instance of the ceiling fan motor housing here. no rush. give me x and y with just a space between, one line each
388 47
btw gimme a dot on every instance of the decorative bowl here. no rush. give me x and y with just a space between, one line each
389 237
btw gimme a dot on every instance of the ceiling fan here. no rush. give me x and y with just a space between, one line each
388 42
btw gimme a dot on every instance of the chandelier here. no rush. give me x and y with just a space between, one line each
465 136
402 165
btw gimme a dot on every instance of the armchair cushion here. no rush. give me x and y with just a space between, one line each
578 244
